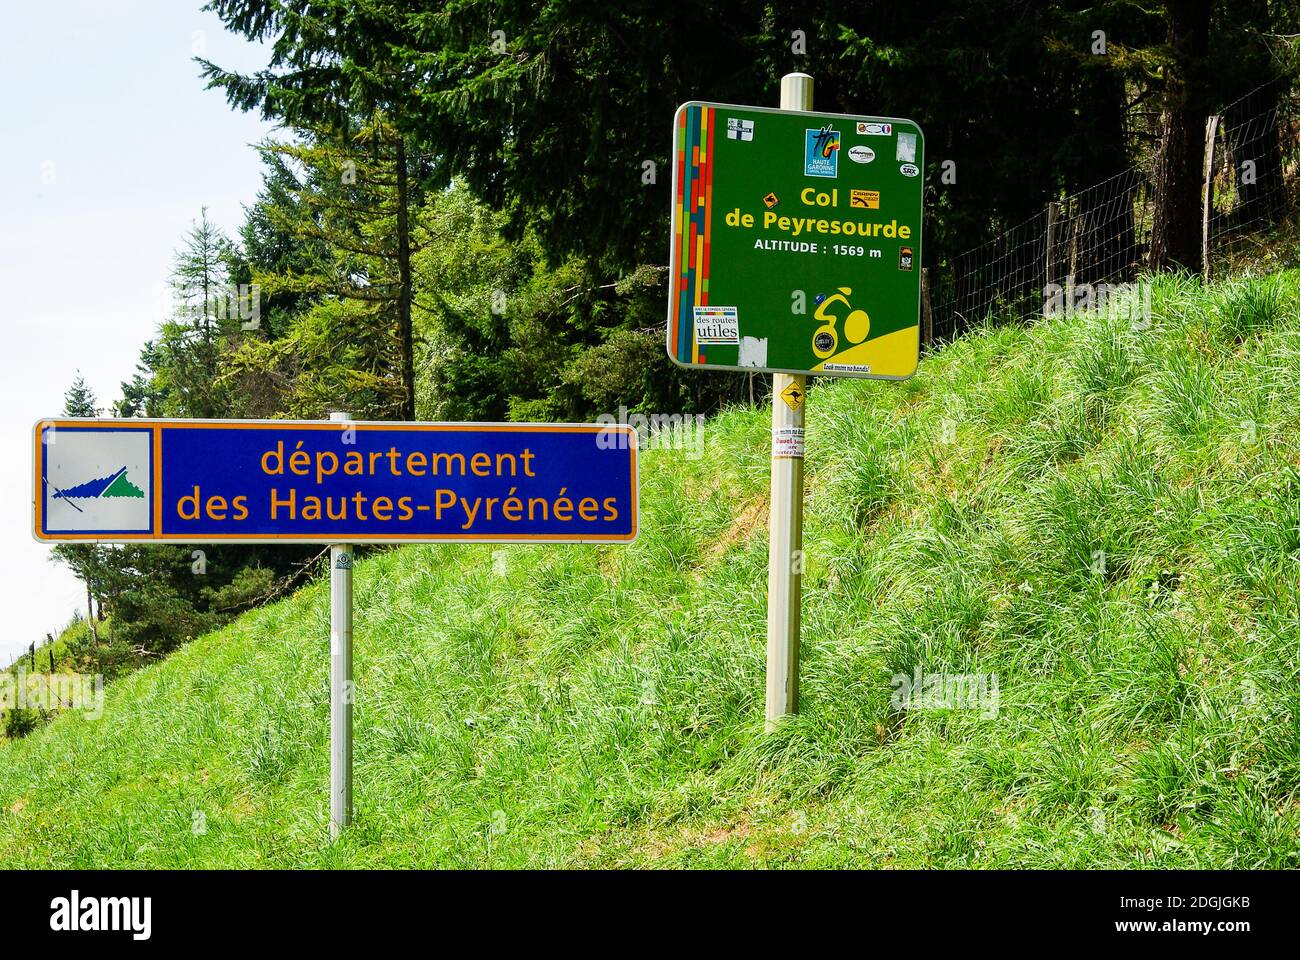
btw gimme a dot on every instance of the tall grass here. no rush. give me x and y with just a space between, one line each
1101 515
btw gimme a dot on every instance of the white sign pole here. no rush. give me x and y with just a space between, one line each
785 526
340 680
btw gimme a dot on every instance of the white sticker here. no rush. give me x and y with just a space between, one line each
753 352
861 154
906 150
875 129
847 367
716 325
908 169
787 443
738 129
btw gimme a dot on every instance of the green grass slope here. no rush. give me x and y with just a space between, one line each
1105 517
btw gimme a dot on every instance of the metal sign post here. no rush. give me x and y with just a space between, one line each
340 680
785 522
794 250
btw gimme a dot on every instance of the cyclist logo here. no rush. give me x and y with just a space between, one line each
826 339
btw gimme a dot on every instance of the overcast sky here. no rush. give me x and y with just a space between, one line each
111 146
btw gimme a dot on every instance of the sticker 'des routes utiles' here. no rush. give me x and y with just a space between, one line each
257 481
796 242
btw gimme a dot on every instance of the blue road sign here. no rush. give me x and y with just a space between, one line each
257 481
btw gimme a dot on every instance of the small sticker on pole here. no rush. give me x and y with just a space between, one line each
787 443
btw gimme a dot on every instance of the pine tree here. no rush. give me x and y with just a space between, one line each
185 361
141 395
199 274
351 209
79 401
1176 220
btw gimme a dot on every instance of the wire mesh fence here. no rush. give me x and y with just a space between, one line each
1102 234
1255 153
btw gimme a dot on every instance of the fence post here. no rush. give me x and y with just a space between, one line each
1053 212
1072 278
1207 195
927 318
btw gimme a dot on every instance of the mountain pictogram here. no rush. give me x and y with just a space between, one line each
114 485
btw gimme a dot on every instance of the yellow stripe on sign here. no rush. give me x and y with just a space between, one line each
893 355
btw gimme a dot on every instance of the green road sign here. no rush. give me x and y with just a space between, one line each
796 242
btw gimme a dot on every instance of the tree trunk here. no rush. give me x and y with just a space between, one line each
1103 221
90 614
1176 230
404 281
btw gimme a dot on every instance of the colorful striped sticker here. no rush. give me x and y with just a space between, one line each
694 228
